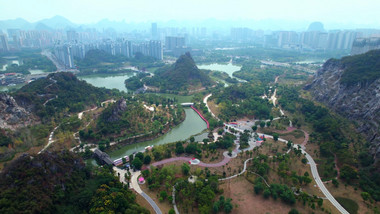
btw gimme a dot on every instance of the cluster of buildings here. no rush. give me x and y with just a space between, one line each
11 79
174 41
312 39
15 39
363 45
76 47
66 52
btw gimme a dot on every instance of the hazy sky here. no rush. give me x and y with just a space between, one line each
89 11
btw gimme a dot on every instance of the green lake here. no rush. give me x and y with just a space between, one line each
228 68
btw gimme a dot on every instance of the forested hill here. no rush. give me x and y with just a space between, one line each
57 92
182 76
61 183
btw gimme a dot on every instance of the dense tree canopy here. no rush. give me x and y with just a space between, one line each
244 100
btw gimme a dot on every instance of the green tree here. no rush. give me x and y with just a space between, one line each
228 206
266 193
216 207
262 124
258 188
365 196
140 155
185 169
348 173
335 182
254 128
147 159
304 160
137 163
275 137
163 194
192 139
192 148
320 202
293 211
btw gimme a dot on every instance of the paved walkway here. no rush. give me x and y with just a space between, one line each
136 187
240 173
320 184
209 110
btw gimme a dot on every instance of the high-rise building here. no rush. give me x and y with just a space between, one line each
173 42
287 39
154 31
156 50
64 54
4 43
241 34
341 40
362 45
72 35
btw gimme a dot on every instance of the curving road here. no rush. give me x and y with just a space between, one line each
209 110
320 184
136 187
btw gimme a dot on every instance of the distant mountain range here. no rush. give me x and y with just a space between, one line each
60 22
56 22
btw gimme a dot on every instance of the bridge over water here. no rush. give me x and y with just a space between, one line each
187 104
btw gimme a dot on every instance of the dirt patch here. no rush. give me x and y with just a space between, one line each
209 157
271 147
351 193
214 108
243 196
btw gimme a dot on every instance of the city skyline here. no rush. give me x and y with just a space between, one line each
331 13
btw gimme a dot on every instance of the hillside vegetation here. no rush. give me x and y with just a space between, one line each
183 76
363 68
243 100
61 183
59 92
129 117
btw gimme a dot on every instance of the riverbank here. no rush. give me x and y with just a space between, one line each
192 125
143 138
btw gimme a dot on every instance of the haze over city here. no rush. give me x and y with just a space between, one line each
271 14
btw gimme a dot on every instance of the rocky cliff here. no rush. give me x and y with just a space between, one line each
12 115
357 99
117 110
